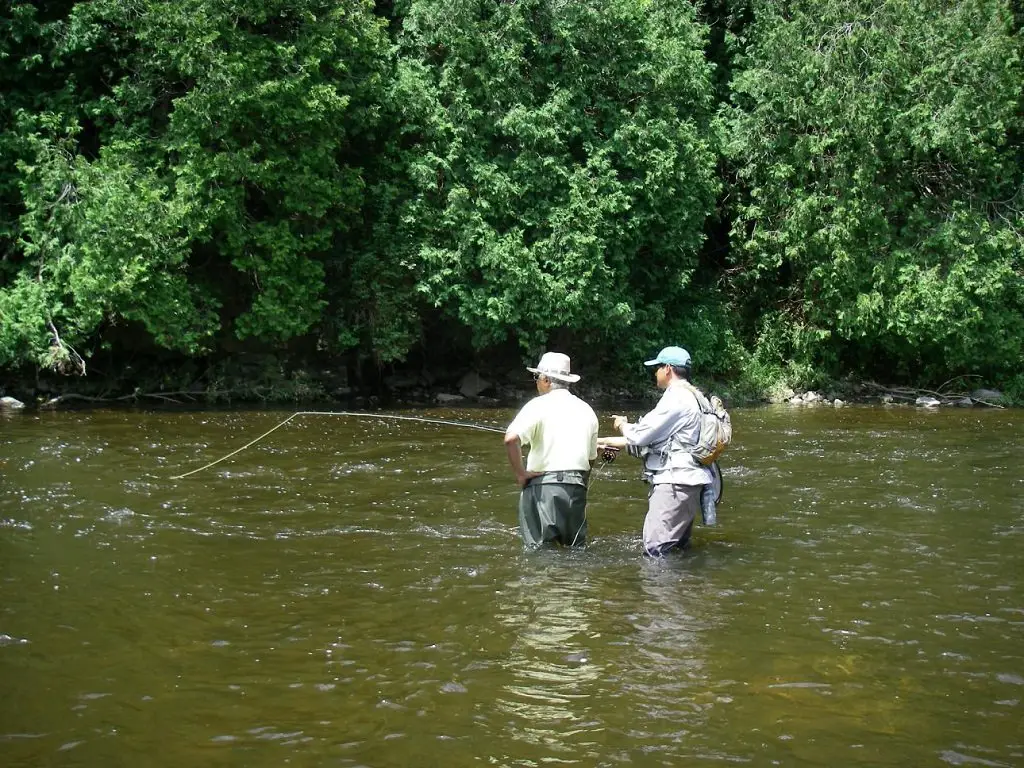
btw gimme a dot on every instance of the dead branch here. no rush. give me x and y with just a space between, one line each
166 396
55 401
945 398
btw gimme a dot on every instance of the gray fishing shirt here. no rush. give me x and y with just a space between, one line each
660 438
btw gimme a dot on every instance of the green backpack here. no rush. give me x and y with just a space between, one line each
715 428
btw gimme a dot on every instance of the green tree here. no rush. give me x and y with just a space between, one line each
879 220
215 173
560 164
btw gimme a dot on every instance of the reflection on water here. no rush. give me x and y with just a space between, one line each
355 594
551 674
588 665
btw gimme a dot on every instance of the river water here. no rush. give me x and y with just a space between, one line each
353 592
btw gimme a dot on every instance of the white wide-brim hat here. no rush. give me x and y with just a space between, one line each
555 365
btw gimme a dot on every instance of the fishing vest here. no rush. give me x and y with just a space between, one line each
676 451
673 453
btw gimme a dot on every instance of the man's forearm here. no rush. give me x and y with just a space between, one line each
514 449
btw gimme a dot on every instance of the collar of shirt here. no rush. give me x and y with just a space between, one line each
555 392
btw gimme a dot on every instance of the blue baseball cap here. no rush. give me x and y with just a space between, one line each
676 356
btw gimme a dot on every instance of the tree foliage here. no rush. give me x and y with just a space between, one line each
878 150
821 188
561 162
214 171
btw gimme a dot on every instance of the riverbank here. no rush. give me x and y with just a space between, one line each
267 380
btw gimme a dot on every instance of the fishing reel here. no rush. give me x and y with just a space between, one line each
608 454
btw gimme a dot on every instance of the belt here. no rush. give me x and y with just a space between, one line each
563 476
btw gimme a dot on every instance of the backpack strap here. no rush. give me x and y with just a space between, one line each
675 440
702 400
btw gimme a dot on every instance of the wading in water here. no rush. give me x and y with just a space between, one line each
561 432
663 439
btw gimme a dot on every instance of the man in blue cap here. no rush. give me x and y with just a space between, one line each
662 439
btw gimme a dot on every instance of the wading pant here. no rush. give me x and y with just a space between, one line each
670 513
553 509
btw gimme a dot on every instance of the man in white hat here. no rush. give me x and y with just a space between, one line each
561 433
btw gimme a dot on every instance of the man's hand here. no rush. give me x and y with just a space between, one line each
608 447
522 478
618 422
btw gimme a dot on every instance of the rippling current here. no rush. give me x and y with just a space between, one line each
354 593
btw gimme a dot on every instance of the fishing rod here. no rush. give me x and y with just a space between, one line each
352 414
606 454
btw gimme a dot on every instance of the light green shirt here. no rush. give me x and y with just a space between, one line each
560 429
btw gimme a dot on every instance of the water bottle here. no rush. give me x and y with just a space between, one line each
707 505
